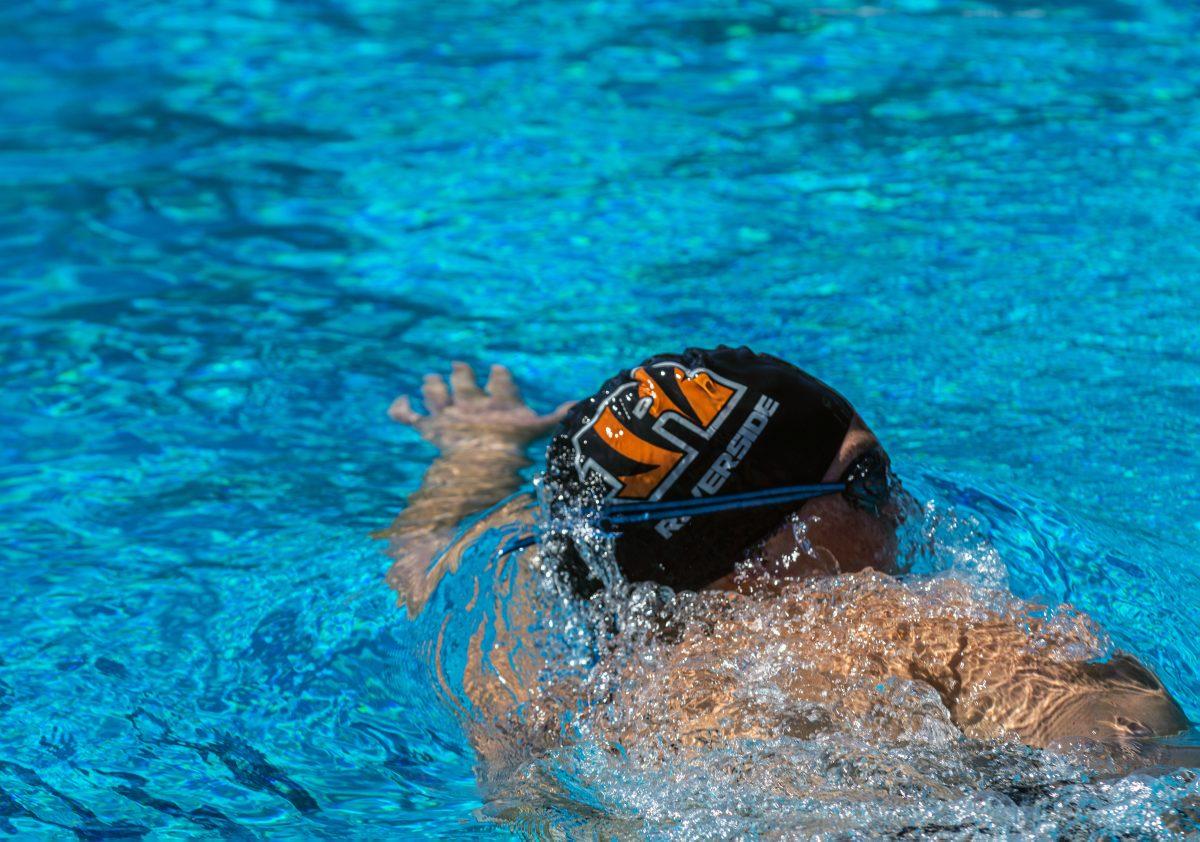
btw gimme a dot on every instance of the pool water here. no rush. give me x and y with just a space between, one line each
231 233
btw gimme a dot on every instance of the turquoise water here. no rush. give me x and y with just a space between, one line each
230 233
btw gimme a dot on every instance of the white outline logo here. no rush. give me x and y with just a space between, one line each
584 466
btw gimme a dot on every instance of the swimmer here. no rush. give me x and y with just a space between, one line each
693 463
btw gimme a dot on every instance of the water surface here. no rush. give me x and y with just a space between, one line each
231 232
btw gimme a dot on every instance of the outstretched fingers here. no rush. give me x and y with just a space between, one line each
401 410
501 387
435 393
459 409
462 380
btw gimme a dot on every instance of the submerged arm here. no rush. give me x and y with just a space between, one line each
481 437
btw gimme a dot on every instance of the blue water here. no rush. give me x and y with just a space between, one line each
230 233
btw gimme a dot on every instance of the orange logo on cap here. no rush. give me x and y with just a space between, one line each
638 440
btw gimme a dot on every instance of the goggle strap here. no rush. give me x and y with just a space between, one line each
641 511
518 542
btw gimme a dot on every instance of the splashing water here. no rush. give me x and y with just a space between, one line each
851 704
232 231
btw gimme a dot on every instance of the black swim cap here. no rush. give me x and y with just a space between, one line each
682 426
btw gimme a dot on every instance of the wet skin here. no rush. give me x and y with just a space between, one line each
989 681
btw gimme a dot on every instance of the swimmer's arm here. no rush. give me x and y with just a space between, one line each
481 437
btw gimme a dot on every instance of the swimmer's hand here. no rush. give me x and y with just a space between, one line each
482 437
472 417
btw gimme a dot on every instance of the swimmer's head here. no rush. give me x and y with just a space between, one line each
704 423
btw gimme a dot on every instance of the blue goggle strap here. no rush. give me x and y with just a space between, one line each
640 511
518 542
